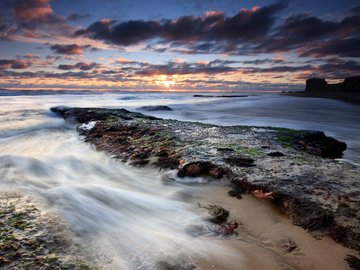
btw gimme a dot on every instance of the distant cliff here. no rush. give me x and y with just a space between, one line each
348 90
349 85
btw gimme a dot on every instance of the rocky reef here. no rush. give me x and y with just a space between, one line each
31 239
295 170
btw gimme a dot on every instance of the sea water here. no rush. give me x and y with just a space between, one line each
131 218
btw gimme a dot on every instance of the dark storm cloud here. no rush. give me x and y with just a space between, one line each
313 36
249 32
246 25
125 33
338 47
355 9
14 64
80 65
339 70
69 49
279 69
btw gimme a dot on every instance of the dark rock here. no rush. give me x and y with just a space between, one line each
354 262
275 154
140 155
171 162
218 214
225 150
308 214
235 193
239 187
240 161
352 84
334 87
226 229
221 96
162 153
155 108
315 84
317 143
140 163
201 168
84 115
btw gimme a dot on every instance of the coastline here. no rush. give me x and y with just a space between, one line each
348 97
244 162
247 159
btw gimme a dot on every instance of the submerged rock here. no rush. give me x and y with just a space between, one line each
276 154
218 214
226 229
155 108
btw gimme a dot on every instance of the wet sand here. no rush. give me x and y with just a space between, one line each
263 233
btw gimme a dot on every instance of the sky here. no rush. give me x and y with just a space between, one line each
176 45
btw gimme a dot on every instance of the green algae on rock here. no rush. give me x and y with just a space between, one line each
28 240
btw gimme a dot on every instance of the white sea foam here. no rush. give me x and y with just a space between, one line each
128 217
88 126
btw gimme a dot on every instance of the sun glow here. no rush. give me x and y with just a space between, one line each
164 80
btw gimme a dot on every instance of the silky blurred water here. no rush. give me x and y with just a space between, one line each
130 217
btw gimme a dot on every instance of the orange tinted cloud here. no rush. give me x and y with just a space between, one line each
32 10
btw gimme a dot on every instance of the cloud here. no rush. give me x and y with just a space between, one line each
35 11
69 49
32 10
263 61
77 16
30 56
172 68
312 36
80 65
246 25
279 69
249 32
14 64
338 47
355 9
6 30
125 33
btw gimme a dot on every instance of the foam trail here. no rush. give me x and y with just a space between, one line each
126 216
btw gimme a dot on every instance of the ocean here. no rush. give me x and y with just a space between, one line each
130 217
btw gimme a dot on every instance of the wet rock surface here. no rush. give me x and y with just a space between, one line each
155 108
317 193
317 143
30 239
354 262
